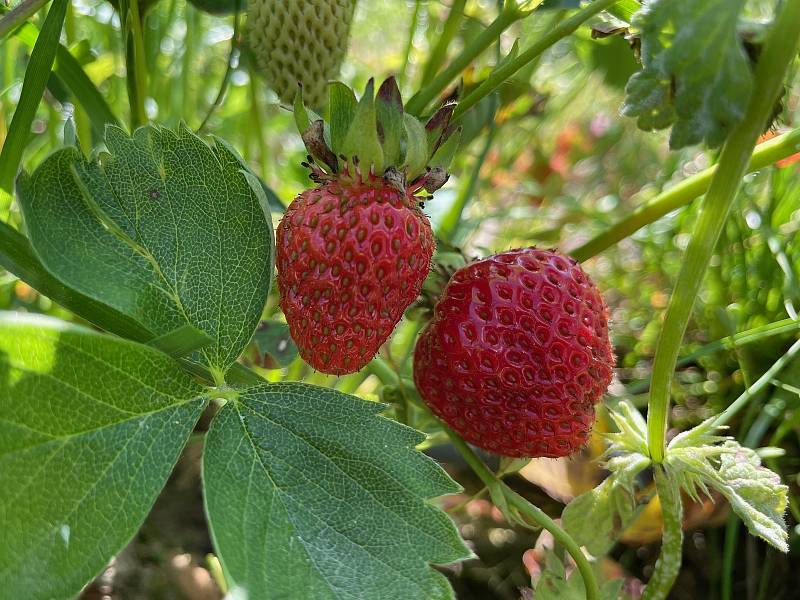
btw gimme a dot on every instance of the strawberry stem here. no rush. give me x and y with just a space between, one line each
669 559
779 50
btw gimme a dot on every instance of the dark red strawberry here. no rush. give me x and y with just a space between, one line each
517 354
351 256
353 252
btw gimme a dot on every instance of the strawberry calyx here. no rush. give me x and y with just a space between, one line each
373 140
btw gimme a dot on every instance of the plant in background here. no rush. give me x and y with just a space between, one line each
157 248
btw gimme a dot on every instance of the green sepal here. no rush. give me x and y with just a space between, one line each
301 117
342 111
437 125
389 108
447 150
362 136
416 147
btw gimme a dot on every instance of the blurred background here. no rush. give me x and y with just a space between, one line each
546 161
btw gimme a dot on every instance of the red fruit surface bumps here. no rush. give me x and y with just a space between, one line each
351 257
517 354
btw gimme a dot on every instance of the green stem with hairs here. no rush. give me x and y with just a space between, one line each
530 512
669 559
683 193
501 74
509 15
779 50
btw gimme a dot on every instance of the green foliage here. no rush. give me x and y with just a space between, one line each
298 510
556 584
91 427
696 76
697 461
164 228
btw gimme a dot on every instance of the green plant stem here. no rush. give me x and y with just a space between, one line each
18 15
528 510
669 559
734 407
502 73
510 15
728 555
682 194
439 51
779 50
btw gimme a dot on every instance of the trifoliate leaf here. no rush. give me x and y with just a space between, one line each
311 494
164 228
754 492
696 75
91 427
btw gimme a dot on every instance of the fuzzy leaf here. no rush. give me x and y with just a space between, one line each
298 510
166 229
754 492
90 428
696 75
596 518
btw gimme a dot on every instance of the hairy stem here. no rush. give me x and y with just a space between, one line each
779 51
527 510
669 559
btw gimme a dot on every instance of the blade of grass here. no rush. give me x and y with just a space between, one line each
36 75
779 50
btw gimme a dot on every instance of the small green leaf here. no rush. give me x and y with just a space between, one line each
754 492
164 228
311 494
447 150
36 76
596 518
362 136
416 146
696 75
91 427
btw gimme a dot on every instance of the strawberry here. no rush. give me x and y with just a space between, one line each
302 41
517 354
354 251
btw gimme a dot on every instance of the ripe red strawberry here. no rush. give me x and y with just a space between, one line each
353 252
517 354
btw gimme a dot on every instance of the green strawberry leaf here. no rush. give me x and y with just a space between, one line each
555 584
298 509
696 75
754 492
90 428
164 228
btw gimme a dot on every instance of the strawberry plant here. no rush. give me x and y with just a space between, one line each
493 327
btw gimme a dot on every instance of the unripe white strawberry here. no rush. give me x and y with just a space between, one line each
299 41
